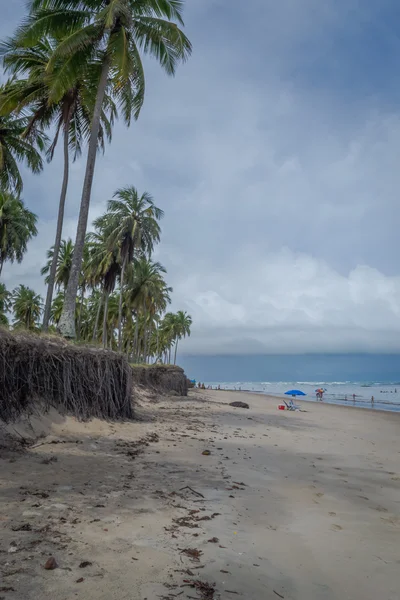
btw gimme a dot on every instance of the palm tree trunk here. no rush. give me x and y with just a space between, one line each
60 220
80 312
104 337
120 305
176 350
67 321
96 323
136 344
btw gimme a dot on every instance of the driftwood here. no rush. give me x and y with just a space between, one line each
50 372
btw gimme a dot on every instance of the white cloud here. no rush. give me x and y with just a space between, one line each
280 190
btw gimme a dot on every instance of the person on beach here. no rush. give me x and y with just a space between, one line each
372 399
354 397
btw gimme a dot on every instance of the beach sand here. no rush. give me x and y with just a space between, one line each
302 505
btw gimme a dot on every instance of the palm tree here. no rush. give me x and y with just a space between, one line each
70 114
27 307
104 266
56 308
14 149
64 262
17 227
182 324
131 223
5 304
145 291
114 33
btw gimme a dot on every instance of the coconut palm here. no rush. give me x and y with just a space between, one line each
182 323
15 149
69 114
5 304
145 291
64 262
115 33
27 308
56 308
17 227
131 223
104 267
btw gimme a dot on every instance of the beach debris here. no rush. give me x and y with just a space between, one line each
205 589
13 548
48 461
23 527
185 522
84 564
223 571
80 580
187 487
192 553
206 453
279 595
238 404
50 564
231 592
213 540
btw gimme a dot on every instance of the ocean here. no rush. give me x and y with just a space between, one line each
386 395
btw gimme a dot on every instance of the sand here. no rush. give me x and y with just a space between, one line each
305 505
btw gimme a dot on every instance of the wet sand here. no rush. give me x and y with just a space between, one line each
294 505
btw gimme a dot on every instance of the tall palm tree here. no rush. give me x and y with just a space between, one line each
15 149
17 227
182 324
70 113
27 308
115 33
64 262
5 304
131 222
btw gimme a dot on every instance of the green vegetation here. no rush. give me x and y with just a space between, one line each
73 66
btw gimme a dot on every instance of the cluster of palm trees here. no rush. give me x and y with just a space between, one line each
74 66
122 293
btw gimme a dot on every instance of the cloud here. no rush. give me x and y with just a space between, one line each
274 153
291 302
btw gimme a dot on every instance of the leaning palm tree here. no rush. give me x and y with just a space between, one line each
64 262
15 149
69 112
115 33
131 221
17 227
27 308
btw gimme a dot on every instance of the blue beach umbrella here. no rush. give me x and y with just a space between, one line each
295 393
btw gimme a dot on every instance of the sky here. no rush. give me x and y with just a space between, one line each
274 153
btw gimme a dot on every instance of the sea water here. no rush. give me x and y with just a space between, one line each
386 395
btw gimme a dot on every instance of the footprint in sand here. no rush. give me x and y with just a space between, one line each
335 527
